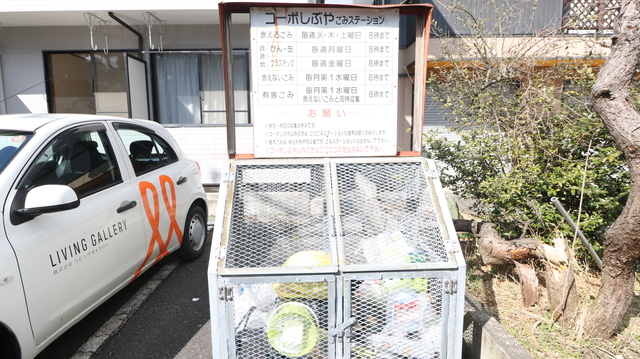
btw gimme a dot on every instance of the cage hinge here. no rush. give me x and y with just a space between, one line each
223 252
432 173
450 286
228 177
332 226
225 293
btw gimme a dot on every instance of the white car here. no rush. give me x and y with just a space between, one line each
88 203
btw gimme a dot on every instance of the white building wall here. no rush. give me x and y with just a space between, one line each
111 5
22 61
208 147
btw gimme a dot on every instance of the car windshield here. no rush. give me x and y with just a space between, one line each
10 144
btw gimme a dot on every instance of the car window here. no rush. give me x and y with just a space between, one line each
147 151
81 158
10 143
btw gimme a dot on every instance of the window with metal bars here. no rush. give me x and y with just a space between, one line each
590 15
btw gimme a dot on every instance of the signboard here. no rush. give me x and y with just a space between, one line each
324 82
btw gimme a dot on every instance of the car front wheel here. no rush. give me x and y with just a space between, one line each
195 231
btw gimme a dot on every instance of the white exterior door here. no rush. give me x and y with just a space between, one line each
137 96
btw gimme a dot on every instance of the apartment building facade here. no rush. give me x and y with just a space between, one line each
161 60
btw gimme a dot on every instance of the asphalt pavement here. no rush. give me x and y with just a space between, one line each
173 321
164 314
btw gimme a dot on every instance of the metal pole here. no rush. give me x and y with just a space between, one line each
119 21
573 225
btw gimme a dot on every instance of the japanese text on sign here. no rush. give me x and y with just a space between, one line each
335 69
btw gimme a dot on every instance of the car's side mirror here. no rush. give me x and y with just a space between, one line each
48 199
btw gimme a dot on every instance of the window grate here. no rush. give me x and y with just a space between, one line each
595 15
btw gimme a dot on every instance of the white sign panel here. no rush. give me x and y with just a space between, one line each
324 82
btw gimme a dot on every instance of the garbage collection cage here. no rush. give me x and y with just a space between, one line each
335 258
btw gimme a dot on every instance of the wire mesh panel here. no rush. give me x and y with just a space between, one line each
279 319
396 318
279 211
387 214
336 258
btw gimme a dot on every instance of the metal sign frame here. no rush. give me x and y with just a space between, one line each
423 13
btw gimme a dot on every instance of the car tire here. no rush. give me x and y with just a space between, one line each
193 238
9 348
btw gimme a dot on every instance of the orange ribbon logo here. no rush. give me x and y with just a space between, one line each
153 215
171 206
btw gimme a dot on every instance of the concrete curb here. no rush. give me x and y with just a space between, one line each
485 338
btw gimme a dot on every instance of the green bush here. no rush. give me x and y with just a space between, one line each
523 142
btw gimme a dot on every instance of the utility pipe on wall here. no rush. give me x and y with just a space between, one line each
113 16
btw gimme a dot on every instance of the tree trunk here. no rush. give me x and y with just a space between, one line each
560 282
613 102
528 283
496 251
558 261
493 249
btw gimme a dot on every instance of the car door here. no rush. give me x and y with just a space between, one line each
71 260
162 181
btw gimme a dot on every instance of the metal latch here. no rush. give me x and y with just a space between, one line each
450 286
228 177
339 330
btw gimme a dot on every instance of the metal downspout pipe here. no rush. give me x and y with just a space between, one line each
113 16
